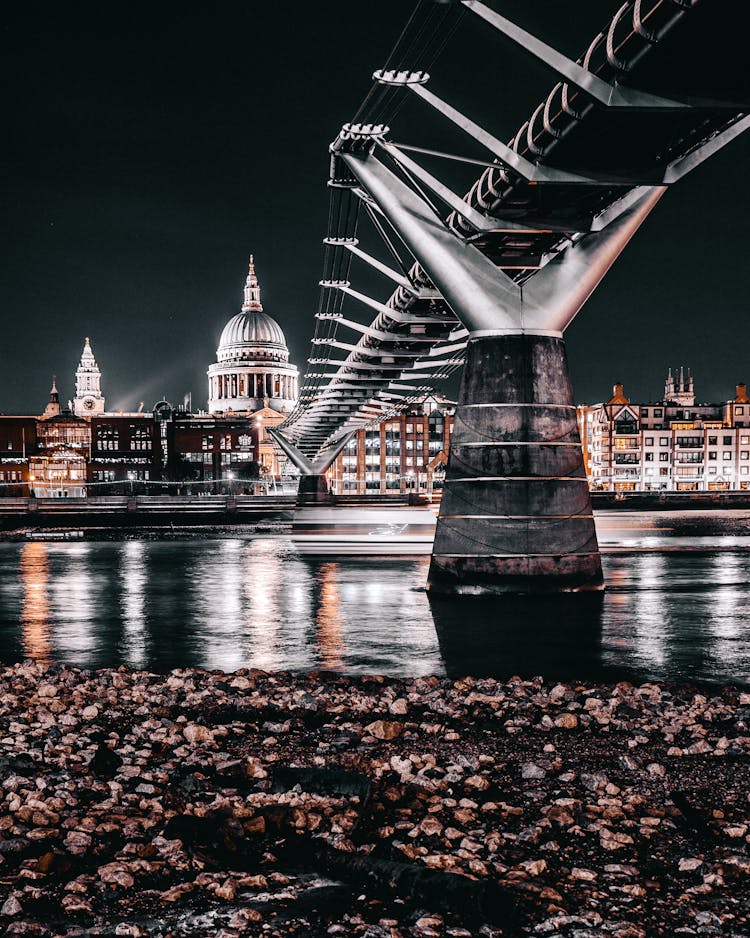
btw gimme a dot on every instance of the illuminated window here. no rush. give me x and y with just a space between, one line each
727 456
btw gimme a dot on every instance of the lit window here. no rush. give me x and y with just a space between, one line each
649 441
727 456
663 441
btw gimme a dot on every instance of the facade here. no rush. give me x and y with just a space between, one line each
252 371
405 453
17 443
672 445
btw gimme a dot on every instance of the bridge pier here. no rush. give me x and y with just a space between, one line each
516 512
313 489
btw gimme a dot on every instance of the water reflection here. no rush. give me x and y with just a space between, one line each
35 624
328 618
133 580
254 602
557 636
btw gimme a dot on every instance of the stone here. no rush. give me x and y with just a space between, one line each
688 864
195 733
383 729
11 906
529 770
566 721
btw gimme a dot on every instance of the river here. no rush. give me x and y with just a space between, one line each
677 607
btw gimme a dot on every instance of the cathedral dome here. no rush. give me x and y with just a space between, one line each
252 334
252 368
251 329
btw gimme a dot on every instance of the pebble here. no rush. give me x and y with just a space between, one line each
130 797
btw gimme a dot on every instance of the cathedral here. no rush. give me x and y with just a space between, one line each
252 371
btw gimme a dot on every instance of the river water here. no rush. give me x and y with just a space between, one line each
677 607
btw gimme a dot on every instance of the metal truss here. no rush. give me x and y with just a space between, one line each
524 248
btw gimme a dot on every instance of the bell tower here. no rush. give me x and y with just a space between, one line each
88 399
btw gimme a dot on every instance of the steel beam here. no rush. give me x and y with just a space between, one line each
610 96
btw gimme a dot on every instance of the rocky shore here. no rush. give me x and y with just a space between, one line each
203 803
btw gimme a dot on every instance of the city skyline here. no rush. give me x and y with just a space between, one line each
135 198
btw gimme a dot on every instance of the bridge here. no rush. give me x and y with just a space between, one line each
490 279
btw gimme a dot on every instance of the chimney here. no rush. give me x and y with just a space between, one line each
740 394
618 394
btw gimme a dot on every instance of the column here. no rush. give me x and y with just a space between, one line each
516 512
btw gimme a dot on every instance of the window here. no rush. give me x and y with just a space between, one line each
727 441
663 472
107 437
663 457
740 410
744 455
743 471
649 441
745 439
140 438
663 441
727 456
207 442
658 412
644 411
713 440
712 455
649 457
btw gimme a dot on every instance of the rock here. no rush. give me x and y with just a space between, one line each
566 721
244 917
77 842
90 713
530 770
383 729
586 876
399 707
11 906
688 864
115 875
194 733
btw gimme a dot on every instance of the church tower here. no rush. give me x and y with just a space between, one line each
88 399
53 407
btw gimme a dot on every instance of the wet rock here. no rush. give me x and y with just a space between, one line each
384 729
195 733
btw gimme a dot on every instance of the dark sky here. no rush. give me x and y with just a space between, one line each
150 148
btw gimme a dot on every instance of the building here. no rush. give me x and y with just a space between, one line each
252 371
17 443
405 453
124 448
672 445
58 465
88 399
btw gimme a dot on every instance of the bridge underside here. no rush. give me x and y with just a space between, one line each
497 280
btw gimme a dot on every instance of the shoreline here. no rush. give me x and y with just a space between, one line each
252 803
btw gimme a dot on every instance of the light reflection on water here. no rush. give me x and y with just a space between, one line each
254 602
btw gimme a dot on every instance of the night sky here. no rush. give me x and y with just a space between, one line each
150 148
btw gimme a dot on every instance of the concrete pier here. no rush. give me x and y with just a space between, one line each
516 511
